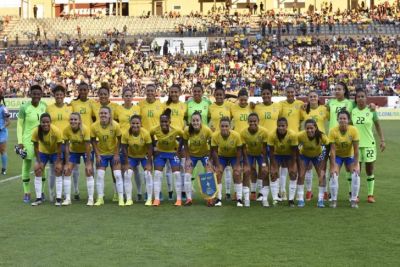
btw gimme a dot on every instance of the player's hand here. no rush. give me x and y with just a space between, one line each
98 160
356 168
246 169
382 146
58 166
209 167
372 106
148 166
89 168
116 159
252 105
188 164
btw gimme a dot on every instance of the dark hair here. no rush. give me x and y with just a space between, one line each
243 92
198 85
266 86
127 89
359 90
318 133
227 119
169 101
151 85
40 129
281 136
104 88
253 114
219 85
131 119
59 87
308 107
167 113
343 111
80 86
105 85
35 87
346 89
290 86
191 129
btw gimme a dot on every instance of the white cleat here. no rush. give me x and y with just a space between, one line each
90 203
66 202
265 203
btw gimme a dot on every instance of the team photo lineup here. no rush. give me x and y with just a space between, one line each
254 146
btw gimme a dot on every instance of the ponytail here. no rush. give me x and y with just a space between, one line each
346 90
166 113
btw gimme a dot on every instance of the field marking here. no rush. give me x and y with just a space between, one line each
12 178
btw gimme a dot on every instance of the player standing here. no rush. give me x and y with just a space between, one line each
4 123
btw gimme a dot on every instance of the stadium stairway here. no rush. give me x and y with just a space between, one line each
8 29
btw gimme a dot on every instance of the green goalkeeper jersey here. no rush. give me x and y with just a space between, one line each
364 120
201 107
28 120
335 106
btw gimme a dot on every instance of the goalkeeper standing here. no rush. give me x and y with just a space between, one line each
28 119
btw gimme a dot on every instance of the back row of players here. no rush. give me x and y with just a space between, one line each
262 143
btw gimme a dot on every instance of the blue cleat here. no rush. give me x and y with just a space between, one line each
301 203
27 198
320 204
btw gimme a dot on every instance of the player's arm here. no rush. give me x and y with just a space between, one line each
96 150
20 126
356 167
332 159
7 116
214 155
380 134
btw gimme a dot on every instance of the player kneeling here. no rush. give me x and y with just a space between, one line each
77 145
47 142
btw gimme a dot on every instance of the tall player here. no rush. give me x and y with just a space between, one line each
198 103
28 119
364 120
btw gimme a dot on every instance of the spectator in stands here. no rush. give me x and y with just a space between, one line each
35 10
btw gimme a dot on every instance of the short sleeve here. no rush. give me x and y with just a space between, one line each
92 131
124 139
186 134
325 139
239 141
356 136
58 136
66 134
147 138
35 137
331 137
294 140
118 131
86 134
214 141
375 116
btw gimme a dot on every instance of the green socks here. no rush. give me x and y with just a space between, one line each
370 185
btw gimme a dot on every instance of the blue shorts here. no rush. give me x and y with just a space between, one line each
106 160
252 159
203 160
282 158
76 157
44 158
134 162
3 135
226 161
347 161
162 158
315 160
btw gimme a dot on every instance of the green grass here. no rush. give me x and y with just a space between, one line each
201 236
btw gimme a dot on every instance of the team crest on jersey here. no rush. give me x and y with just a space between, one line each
208 185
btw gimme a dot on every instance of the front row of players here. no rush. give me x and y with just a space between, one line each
105 144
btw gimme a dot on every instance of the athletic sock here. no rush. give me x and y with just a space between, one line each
253 187
348 178
371 185
355 186
75 177
149 184
157 184
282 180
219 193
26 169
128 184
239 191
274 189
228 180
292 189
188 185
259 185
90 187
265 192
4 160
100 183
334 186
321 192
178 185
300 192
138 180
67 187
59 186
119 183
38 186
308 180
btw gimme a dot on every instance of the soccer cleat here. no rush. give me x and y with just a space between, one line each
145 196
148 202
265 203
309 195
218 203
90 203
333 204
43 197
234 197
210 203
178 203
58 202
283 196
170 195
239 203
77 197
129 202
188 202
353 204
227 196
37 202
291 203
275 202
115 198
260 197
66 202
139 197
121 202
253 196
183 196
326 196
301 203
320 204
156 202
371 199
161 196
27 198
3 171
99 202
247 203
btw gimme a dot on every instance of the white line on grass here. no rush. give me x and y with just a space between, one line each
12 178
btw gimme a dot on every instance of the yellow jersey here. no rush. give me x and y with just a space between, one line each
216 112
268 115
106 137
166 142
227 147
198 143
239 116
320 115
123 116
284 146
344 141
310 148
137 145
111 105
254 142
150 113
50 140
85 108
292 112
77 140
59 116
178 111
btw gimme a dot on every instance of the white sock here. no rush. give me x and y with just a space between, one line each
239 191
138 180
355 186
188 185
119 183
274 189
100 183
219 193
228 180
75 176
59 186
253 187
334 186
246 193
38 186
178 185
308 180
292 189
168 175
90 187
52 179
300 192
265 192
282 180
149 184
321 191
67 187
128 184
157 184
259 185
